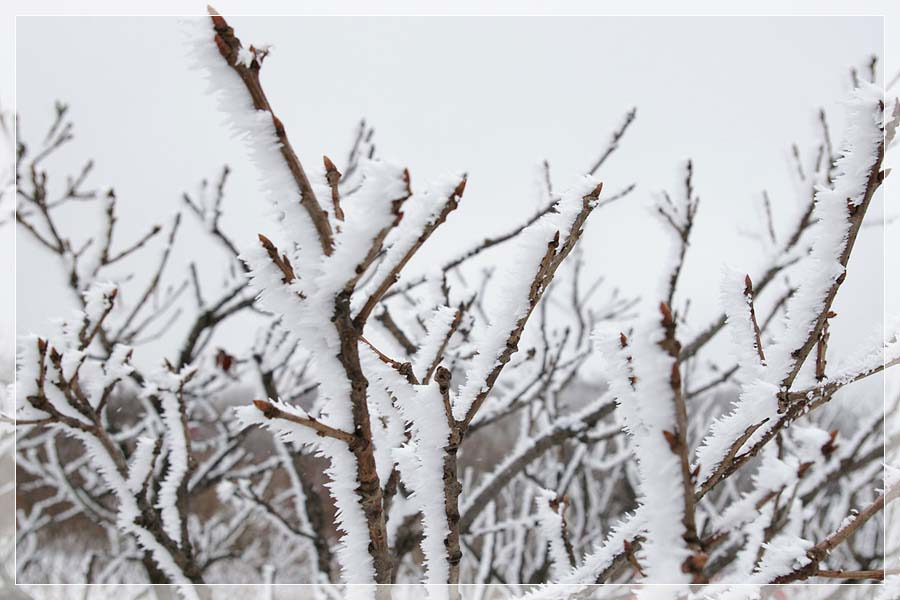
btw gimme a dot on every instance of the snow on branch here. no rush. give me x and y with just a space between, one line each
422 215
431 350
169 388
642 378
743 325
763 406
838 215
233 72
551 515
542 248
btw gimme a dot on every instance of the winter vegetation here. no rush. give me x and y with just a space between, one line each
404 430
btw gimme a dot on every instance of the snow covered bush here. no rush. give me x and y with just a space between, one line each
400 429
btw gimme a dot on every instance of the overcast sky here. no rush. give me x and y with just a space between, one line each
488 96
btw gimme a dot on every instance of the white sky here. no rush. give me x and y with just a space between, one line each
489 96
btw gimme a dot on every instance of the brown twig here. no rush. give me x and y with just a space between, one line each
270 411
230 47
679 444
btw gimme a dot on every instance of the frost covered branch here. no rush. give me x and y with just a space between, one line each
247 62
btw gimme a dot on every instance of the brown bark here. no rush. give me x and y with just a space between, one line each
452 489
452 486
369 490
